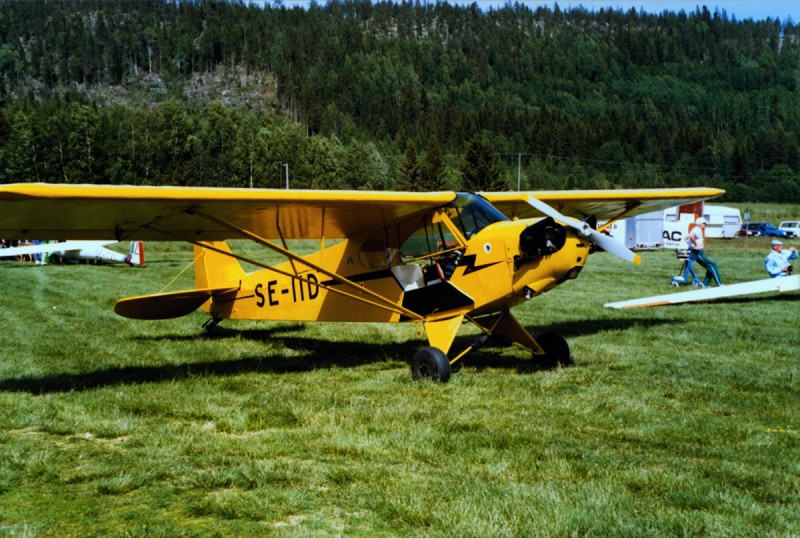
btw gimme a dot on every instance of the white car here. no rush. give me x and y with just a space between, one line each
792 226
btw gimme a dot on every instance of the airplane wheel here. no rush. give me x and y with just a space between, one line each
556 350
430 363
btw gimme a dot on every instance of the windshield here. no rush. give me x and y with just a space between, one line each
471 214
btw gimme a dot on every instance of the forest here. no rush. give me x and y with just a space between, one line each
405 95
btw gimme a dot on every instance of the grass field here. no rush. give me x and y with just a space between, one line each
675 421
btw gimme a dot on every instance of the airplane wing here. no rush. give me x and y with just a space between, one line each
780 284
46 248
607 205
48 211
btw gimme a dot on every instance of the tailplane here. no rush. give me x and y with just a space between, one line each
215 274
166 305
136 255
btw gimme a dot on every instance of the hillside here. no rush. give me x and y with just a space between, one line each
371 95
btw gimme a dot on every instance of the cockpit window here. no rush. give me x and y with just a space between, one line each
468 212
471 214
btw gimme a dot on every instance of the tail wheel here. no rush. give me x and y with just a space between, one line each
556 351
430 363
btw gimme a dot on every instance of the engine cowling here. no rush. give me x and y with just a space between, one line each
540 239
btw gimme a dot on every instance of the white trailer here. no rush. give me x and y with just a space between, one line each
677 221
641 232
722 222
668 228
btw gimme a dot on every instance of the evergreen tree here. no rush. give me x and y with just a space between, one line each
480 170
409 179
21 153
81 144
433 169
215 146
173 144
322 166
366 168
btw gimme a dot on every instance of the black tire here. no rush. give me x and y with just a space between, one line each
556 351
430 364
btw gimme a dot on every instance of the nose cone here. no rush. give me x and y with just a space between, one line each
542 238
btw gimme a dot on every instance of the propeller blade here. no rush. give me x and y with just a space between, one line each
612 246
607 243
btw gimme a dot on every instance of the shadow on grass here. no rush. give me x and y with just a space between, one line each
315 354
523 364
221 333
593 326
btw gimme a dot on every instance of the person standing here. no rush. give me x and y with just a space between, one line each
777 262
37 256
697 243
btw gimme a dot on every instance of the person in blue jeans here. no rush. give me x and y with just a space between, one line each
697 243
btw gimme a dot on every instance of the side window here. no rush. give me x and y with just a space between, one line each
419 244
415 247
444 239
428 241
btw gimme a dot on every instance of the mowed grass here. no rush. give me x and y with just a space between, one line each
673 421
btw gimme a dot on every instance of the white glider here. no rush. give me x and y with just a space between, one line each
77 251
779 284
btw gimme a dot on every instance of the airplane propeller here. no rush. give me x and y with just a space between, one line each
601 240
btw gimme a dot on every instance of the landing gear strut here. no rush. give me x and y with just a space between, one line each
211 323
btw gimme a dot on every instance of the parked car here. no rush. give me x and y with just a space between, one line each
792 226
764 228
746 231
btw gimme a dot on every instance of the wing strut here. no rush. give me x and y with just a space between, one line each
382 301
392 308
283 239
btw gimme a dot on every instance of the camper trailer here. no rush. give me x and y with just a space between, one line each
641 232
722 222
668 228
677 221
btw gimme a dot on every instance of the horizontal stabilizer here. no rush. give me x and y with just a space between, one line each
166 305
787 283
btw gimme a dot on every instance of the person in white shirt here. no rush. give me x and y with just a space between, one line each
697 243
777 262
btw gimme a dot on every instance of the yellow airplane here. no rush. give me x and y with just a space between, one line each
435 259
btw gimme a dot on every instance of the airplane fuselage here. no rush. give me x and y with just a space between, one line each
491 275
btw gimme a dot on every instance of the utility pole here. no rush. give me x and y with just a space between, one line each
286 165
519 168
